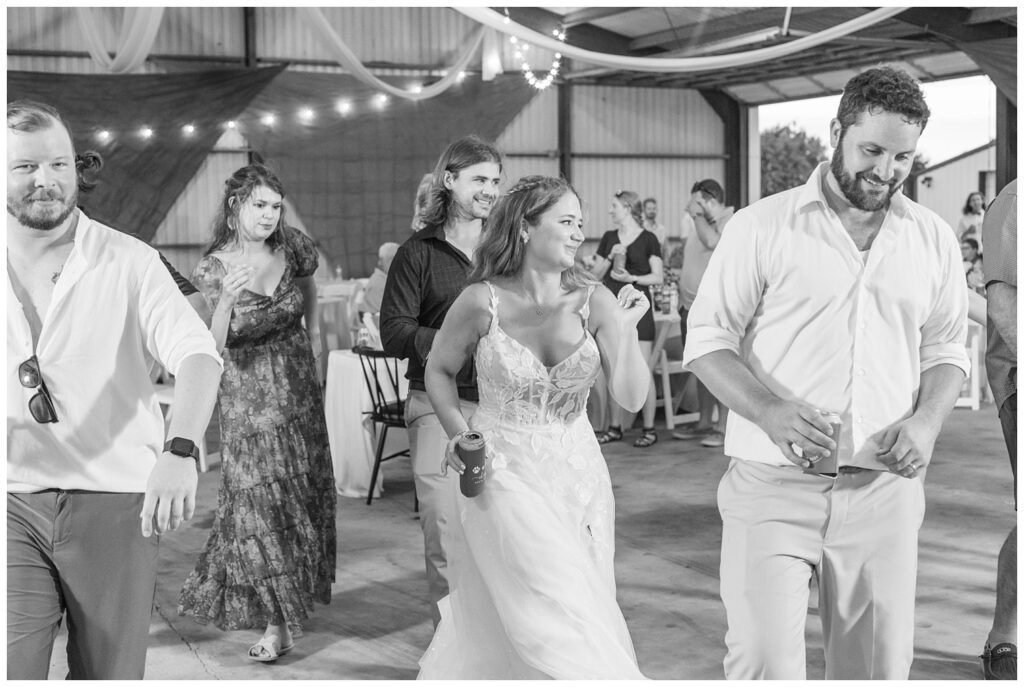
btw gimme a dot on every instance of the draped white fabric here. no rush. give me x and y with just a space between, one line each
317 22
495 20
134 42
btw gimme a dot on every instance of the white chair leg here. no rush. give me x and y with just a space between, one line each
666 393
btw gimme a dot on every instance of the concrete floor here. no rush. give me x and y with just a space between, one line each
377 625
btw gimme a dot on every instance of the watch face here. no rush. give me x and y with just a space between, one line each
182 447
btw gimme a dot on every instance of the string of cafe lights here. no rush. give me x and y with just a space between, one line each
522 47
304 115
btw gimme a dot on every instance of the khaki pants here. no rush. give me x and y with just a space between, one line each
857 532
79 554
427 441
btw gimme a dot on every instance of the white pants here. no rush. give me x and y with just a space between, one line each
427 441
857 531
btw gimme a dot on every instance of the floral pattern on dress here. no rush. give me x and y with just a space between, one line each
271 551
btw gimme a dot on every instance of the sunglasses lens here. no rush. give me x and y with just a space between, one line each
41 408
28 374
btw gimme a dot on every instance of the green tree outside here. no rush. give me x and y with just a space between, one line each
788 156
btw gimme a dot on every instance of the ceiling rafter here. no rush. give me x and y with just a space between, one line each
951 23
793 68
586 15
982 15
586 36
717 29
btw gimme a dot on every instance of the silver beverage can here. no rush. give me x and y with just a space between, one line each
619 261
820 464
471 451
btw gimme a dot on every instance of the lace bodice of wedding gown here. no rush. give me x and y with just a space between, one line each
517 388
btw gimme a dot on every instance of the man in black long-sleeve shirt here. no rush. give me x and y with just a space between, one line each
427 275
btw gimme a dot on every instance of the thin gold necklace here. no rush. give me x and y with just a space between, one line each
537 307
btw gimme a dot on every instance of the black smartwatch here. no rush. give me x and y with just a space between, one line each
186 448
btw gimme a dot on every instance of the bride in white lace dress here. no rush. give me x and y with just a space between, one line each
531 558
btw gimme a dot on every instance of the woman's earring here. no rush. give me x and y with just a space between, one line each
526 238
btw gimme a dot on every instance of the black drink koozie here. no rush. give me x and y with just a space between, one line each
471 450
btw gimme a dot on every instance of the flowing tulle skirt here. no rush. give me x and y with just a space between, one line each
531 560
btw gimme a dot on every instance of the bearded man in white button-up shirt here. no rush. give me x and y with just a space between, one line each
839 296
89 479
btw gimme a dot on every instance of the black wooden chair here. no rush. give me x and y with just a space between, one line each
382 381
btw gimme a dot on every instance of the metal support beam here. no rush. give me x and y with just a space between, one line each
734 117
982 15
1006 141
585 15
565 130
249 32
952 23
584 36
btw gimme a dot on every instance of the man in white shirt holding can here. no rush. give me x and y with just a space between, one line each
90 478
837 296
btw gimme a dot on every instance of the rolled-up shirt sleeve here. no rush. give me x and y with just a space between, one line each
944 333
172 329
729 292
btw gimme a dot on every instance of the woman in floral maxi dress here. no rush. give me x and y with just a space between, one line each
271 552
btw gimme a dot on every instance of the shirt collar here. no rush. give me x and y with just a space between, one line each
431 231
813 192
84 245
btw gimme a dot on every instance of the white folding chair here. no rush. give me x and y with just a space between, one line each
970 392
669 361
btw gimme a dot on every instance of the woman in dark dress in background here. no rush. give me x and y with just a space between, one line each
271 552
643 269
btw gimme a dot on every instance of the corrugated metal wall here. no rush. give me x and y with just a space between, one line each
950 184
534 130
616 131
206 31
640 121
400 35
628 125
187 228
620 122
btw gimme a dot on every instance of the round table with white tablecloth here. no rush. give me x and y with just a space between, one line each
351 434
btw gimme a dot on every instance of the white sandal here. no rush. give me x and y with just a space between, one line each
269 649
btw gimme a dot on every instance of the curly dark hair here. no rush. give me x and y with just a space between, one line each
882 89
88 165
237 189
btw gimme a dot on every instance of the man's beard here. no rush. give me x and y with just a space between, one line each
28 215
850 185
469 212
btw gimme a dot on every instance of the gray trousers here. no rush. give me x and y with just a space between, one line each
427 441
82 554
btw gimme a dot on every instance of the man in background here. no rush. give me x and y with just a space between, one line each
709 213
652 224
427 275
1000 239
373 295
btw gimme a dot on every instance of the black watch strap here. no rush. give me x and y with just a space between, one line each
186 448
